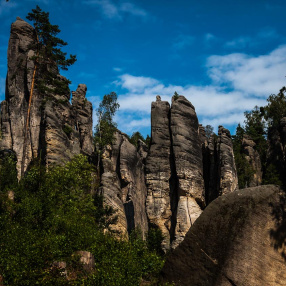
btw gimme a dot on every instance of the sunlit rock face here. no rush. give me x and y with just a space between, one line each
184 170
232 243
55 130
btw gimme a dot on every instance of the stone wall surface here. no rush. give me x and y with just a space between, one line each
230 243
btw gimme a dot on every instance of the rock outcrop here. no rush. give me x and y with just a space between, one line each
158 170
176 168
187 152
253 158
123 186
219 165
56 130
230 243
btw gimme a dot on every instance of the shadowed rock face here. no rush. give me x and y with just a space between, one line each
123 186
158 170
253 158
57 129
230 244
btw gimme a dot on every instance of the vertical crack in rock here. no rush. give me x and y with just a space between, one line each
173 183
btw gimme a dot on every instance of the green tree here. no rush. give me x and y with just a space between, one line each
106 127
176 95
135 137
209 130
276 108
243 168
256 128
48 59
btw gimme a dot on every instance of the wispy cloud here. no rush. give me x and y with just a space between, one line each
266 34
238 83
117 11
182 41
116 69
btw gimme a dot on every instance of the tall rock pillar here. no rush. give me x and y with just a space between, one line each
187 151
158 170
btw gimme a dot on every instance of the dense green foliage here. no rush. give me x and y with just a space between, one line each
105 128
52 215
243 168
260 124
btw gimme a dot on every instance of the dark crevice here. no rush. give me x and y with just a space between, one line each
229 280
173 185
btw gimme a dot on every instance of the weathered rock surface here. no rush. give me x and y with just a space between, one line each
253 158
187 152
123 185
228 181
83 115
57 130
158 171
230 243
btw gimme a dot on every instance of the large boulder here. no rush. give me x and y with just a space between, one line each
230 243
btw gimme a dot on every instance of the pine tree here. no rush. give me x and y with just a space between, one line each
48 59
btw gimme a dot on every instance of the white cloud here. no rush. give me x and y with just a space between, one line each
266 34
117 69
238 83
113 11
257 76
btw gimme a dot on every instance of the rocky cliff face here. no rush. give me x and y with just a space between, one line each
230 243
56 129
123 186
181 165
219 165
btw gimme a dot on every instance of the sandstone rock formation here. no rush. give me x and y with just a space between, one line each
187 152
228 181
230 243
57 130
123 186
158 171
253 158
219 165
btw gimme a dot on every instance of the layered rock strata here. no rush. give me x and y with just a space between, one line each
123 186
230 243
55 130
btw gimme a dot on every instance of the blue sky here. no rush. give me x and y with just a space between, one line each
225 56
